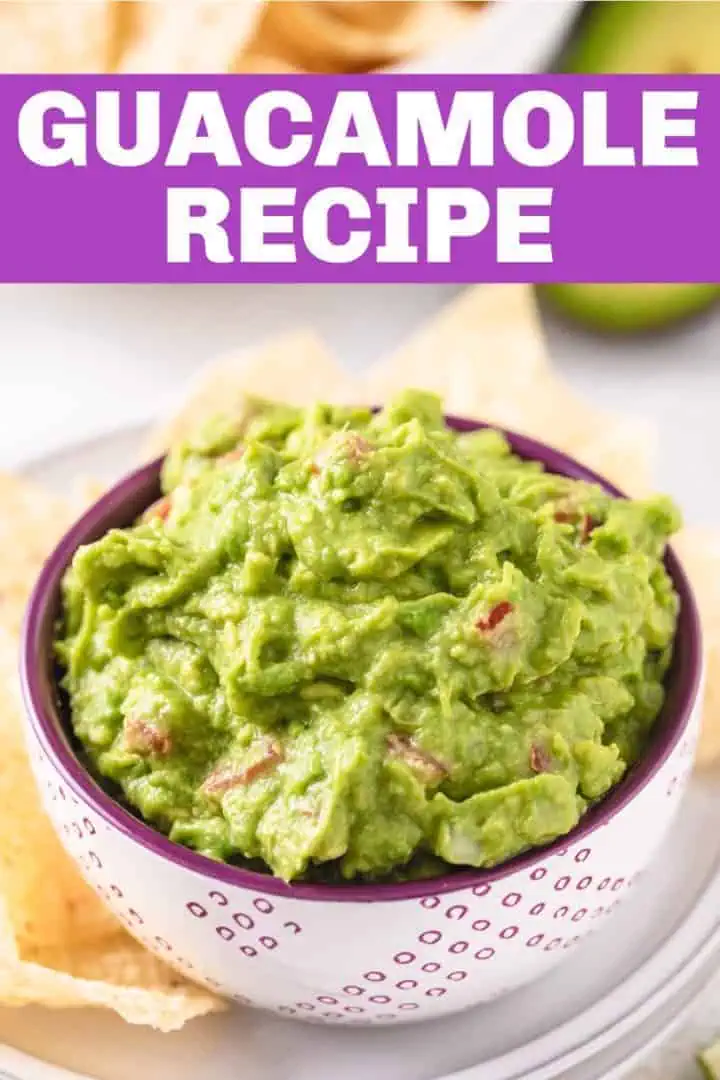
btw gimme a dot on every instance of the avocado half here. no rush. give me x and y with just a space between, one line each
630 307
709 1062
652 37
641 36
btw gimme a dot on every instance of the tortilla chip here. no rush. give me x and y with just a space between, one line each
619 448
189 36
86 490
255 62
31 521
351 36
487 340
485 355
294 368
218 36
59 944
56 36
40 917
120 975
624 452
699 550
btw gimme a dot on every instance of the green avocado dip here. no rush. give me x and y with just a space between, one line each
343 643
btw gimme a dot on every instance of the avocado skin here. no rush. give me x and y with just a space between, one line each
648 37
709 1062
652 36
626 308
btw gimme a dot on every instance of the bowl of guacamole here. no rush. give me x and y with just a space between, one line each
343 653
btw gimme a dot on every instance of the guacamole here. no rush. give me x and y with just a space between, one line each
342 641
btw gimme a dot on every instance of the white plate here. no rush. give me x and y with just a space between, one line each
618 994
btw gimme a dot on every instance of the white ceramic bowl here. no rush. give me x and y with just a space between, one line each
513 37
358 953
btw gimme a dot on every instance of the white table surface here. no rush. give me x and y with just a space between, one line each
75 360
78 360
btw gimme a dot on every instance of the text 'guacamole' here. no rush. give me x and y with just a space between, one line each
344 643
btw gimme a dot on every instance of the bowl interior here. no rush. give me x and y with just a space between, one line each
48 714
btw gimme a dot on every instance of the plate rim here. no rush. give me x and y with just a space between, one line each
691 964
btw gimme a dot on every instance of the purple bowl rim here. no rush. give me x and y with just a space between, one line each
47 725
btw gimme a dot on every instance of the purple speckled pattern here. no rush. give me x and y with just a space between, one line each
368 964
121 505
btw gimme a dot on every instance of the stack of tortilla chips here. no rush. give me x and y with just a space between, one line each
217 37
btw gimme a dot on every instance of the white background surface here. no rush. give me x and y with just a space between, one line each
75 361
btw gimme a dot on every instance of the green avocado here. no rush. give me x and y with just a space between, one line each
709 1062
343 642
654 37
625 308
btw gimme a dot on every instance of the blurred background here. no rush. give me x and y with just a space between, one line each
76 361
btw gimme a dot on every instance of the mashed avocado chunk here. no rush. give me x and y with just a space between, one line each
342 641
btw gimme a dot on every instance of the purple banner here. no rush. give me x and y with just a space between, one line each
372 178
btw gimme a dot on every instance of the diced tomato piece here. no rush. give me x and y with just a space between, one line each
231 776
495 616
144 737
540 760
588 524
585 522
404 748
159 509
232 455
